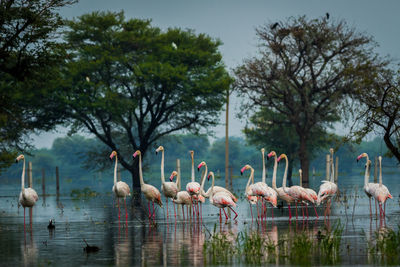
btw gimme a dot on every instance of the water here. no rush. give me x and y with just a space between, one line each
137 242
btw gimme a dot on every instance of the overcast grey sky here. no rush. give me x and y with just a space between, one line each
234 22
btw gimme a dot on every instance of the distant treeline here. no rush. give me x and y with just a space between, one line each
71 155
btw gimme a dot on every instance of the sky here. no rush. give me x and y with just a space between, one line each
234 23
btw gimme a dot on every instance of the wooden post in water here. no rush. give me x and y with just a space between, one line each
227 140
178 169
43 183
376 170
328 166
29 174
57 182
336 170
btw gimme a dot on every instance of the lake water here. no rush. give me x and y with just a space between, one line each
169 242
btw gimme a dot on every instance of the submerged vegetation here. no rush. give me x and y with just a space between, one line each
255 247
384 247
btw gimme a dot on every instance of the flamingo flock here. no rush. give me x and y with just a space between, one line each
222 198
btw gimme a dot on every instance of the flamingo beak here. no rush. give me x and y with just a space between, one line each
171 177
134 154
242 170
208 177
198 167
359 157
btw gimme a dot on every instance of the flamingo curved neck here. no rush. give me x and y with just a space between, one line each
251 179
140 170
193 175
380 172
212 189
274 173
202 183
332 178
366 175
301 179
23 178
285 175
264 172
115 169
162 167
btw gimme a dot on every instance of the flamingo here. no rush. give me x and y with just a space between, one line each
328 189
279 190
216 188
261 189
220 199
369 188
182 197
272 195
28 196
381 193
150 192
193 188
170 189
295 191
249 191
309 191
120 189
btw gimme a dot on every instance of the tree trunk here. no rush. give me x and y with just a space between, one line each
135 194
304 160
395 151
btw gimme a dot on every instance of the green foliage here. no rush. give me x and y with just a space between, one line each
127 84
29 58
305 71
385 247
83 193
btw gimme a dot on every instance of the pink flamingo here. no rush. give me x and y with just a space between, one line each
150 192
220 199
381 193
309 191
248 191
279 190
120 189
216 188
182 197
328 189
170 189
272 196
369 188
28 196
295 191
193 187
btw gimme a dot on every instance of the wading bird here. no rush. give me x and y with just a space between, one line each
120 189
220 199
182 197
381 193
296 192
279 190
369 188
150 192
170 189
28 196
193 187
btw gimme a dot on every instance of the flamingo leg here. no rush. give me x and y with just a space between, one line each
306 211
119 210
376 211
24 219
370 209
226 216
201 213
302 209
262 209
220 216
272 212
258 214
251 211
154 212
183 212
296 210
126 211
290 213
149 210
166 200
174 210
233 212
384 209
316 214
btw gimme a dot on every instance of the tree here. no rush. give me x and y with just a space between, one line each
305 70
29 53
273 131
129 83
379 109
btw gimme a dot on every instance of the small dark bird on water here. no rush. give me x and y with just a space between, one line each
327 15
89 249
51 225
274 25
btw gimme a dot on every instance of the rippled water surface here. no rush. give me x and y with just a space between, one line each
167 242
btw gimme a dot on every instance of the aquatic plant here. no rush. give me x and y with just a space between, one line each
219 248
85 192
385 247
329 244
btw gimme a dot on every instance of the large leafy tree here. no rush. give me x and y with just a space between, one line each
379 109
29 52
130 83
305 69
